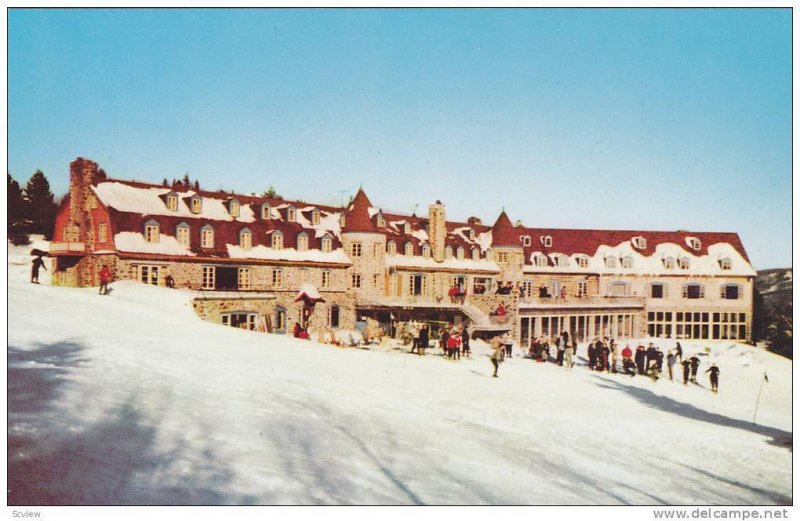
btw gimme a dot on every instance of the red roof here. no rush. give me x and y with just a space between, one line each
504 233
357 218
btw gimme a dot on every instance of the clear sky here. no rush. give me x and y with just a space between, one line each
568 118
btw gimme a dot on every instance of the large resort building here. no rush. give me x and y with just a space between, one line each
260 260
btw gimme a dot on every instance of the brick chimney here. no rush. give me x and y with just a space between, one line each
437 230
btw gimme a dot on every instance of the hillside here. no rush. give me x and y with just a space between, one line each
775 288
131 399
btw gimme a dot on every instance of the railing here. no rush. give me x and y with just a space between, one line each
611 301
61 247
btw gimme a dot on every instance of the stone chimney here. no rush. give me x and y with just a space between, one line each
437 230
82 174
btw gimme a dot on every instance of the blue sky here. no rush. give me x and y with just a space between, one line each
567 118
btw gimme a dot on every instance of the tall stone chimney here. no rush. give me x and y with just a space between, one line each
437 230
82 174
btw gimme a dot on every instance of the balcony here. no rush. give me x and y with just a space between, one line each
67 248
626 302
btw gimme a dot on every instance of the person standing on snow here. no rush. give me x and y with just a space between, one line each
423 340
105 278
35 265
670 363
679 352
614 355
560 350
509 343
568 349
695 365
640 358
465 342
714 377
687 365
592 354
498 353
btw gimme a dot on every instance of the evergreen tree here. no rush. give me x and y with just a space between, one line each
272 193
17 224
41 205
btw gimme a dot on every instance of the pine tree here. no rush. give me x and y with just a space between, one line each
17 232
272 193
41 205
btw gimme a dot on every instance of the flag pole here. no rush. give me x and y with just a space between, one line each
758 398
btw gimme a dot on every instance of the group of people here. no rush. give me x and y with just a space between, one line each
457 294
455 342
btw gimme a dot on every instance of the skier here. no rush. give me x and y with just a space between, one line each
498 353
640 359
651 355
105 278
687 365
414 337
423 340
714 377
568 356
35 265
509 343
465 342
560 350
679 352
592 352
695 365
670 363
614 354
443 340
606 351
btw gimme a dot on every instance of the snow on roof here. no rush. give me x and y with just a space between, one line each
309 290
420 235
451 263
328 222
135 243
148 201
484 240
288 254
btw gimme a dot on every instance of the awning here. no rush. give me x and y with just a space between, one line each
309 294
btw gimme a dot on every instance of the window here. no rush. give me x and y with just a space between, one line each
355 280
540 260
196 205
342 220
207 237
326 279
669 263
658 290
243 320
376 249
471 234
391 248
684 263
245 278
151 231
277 278
460 253
245 239
627 262
233 208
619 289
693 291
408 250
730 292
583 261
611 262
172 202
583 288
407 228
266 211
326 244
476 254
562 261
376 280
355 249
302 242
277 240
314 217
547 241
333 316
149 274
694 243
209 277
426 251
417 285
526 240
639 243
448 252
102 232
725 264
291 214
381 222
502 257
182 234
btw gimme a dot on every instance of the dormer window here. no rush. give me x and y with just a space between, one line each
611 262
471 234
526 240
277 240
391 248
627 262
407 228
669 263
583 261
245 239
448 252
266 211
151 231
233 208
426 251
342 220
314 217
291 214
547 241
172 202
380 222
302 242
562 261
409 249
725 264
460 253
694 243
639 243
476 254
326 244
540 260
196 204
684 263
207 236
182 234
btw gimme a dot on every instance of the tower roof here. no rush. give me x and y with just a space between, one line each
503 232
357 215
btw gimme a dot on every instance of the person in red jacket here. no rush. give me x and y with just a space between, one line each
105 278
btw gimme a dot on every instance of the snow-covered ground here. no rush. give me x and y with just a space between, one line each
131 399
